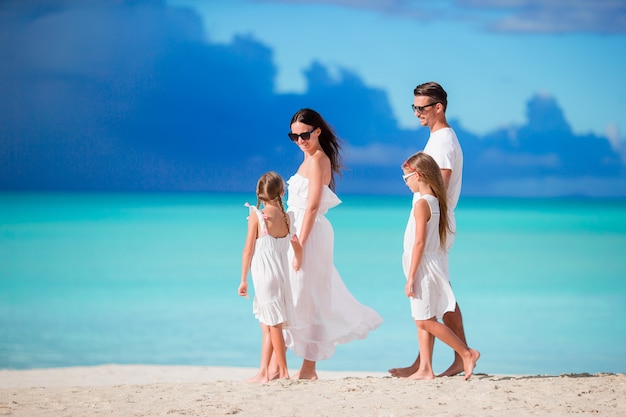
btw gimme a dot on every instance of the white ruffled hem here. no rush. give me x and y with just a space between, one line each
303 345
270 314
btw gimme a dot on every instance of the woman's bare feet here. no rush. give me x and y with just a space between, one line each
307 371
300 375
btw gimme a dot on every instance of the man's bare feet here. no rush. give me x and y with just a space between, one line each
454 369
403 372
406 372
469 363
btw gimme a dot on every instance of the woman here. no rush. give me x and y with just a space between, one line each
327 313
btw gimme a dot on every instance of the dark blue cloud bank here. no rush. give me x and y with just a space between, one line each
131 96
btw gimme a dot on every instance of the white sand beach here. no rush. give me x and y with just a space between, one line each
141 390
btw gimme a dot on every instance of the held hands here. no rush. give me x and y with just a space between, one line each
295 263
243 290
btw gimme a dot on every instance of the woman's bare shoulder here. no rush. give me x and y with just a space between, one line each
319 161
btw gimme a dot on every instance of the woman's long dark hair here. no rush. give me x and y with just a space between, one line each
329 141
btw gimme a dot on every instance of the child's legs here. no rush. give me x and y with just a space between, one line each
278 348
266 353
443 333
426 343
266 348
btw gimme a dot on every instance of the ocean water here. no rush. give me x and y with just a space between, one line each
90 279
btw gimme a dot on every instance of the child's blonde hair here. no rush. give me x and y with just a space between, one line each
271 187
430 172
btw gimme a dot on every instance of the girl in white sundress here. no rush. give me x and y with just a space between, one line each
328 314
270 234
424 264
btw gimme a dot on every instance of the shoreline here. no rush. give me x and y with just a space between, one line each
159 390
117 374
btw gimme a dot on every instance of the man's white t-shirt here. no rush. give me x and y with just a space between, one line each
444 147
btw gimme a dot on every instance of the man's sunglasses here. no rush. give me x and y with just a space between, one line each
420 109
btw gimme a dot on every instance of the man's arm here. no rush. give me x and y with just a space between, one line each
446 174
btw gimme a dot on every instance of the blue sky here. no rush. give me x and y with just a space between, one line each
492 55
188 95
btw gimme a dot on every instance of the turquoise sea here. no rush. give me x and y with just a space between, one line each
90 279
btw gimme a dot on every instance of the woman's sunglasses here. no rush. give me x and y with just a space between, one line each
304 135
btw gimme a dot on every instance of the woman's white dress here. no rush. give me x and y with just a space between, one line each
270 275
433 293
327 313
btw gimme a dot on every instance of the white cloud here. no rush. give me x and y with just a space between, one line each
377 154
521 16
556 16
613 135
557 187
499 157
617 143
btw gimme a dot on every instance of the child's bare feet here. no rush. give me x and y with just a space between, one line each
280 375
469 362
421 375
260 378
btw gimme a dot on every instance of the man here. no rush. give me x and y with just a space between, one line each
429 105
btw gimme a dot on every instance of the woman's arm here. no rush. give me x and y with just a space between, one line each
248 251
421 213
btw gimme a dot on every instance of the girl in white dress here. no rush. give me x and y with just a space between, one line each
270 235
425 266
328 314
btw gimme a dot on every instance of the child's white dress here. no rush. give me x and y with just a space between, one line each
433 293
328 314
270 275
